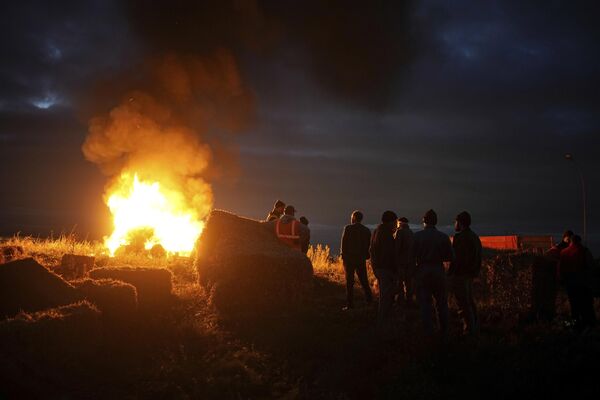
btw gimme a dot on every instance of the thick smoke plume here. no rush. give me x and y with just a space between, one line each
357 51
161 130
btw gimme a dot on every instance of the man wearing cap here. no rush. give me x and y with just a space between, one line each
405 262
383 262
277 211
290 231
463 269
355 253
431 249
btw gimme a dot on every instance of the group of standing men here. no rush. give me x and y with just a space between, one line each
414 262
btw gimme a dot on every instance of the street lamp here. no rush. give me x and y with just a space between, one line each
569 157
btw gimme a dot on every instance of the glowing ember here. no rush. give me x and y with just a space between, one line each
161 214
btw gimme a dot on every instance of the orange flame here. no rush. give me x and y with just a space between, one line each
137 205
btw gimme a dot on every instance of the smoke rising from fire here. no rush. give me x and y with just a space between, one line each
161 131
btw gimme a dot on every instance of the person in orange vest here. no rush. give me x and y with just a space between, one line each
290 231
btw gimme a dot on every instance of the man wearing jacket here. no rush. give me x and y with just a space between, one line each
464 268
431 249
383 261
355 253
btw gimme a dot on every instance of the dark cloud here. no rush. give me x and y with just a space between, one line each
355 50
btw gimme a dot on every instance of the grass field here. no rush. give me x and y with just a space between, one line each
317 351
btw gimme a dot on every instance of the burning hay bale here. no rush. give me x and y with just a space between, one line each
28 286
74 266
115 299
153 285
247 267
9 253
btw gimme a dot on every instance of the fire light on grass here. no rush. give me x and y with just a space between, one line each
160 212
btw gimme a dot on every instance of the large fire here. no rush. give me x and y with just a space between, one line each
162 215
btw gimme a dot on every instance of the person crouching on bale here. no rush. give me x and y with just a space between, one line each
277 212
290 231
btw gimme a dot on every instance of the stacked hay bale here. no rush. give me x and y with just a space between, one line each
73 266
153 285
247 268
28 286
116 299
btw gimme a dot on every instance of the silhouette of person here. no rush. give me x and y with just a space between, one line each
431 249
383 262
277 211
305 245
464 268
355 252
405 261
573 267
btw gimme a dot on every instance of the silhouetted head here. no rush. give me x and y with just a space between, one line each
356 216
462 221
279 206
430 218
289 210
576 240
389 217
303 221
402 221
566 237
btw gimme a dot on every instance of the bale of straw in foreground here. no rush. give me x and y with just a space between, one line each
40 350
246 266
153 285
27 285
114 298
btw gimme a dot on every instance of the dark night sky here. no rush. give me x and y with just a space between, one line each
433 104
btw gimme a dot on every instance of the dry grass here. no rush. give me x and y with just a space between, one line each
49 251
329 267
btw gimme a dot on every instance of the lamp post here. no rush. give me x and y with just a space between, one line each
569 157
